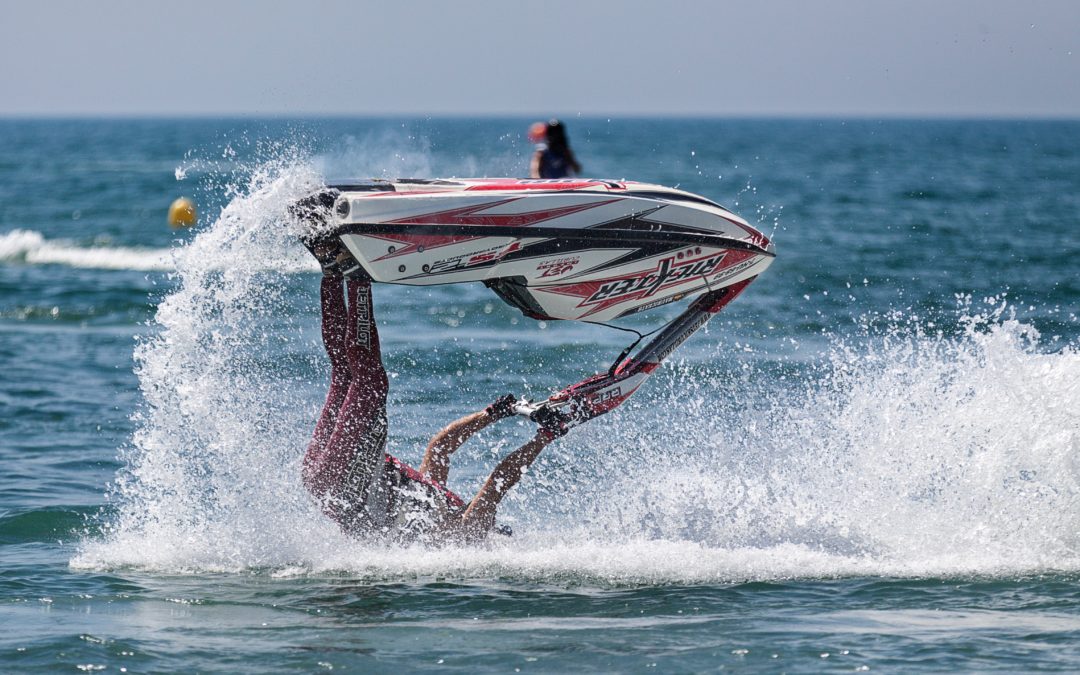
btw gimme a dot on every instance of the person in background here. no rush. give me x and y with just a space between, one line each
553 157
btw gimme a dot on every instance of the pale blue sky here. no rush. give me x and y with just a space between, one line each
766 57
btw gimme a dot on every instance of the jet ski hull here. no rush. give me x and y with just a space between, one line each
583 250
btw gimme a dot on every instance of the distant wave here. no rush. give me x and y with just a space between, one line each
32 248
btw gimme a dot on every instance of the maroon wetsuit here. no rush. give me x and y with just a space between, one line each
346 467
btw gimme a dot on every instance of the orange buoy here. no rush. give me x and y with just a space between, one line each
182 213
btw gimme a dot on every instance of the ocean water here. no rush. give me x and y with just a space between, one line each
871 460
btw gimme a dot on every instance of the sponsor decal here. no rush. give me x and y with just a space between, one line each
554 268
735 269
675 277
606 395
668 273
363 317
472 258
657 303
493 254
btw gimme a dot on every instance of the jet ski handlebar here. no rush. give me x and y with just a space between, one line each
604 392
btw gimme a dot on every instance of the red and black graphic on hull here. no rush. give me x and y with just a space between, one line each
471 216
670 272
552 184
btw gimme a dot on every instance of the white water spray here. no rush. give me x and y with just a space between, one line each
907 453
210 478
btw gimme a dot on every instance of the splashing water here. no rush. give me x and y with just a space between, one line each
906 452
903 454
211 470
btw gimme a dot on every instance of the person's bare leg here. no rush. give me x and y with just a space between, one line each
436 463
479 518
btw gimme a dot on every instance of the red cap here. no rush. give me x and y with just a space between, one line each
538 132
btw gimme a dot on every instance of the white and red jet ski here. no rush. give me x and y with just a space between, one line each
573 249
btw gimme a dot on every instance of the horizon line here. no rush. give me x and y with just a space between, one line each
412 115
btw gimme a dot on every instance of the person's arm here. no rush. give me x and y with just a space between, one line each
479 518
534 165
436 464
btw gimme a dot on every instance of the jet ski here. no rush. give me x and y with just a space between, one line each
570 249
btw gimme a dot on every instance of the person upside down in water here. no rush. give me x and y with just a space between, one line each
346 467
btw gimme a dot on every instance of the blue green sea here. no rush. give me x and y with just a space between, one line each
869 461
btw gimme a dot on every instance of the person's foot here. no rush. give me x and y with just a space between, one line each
334 259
